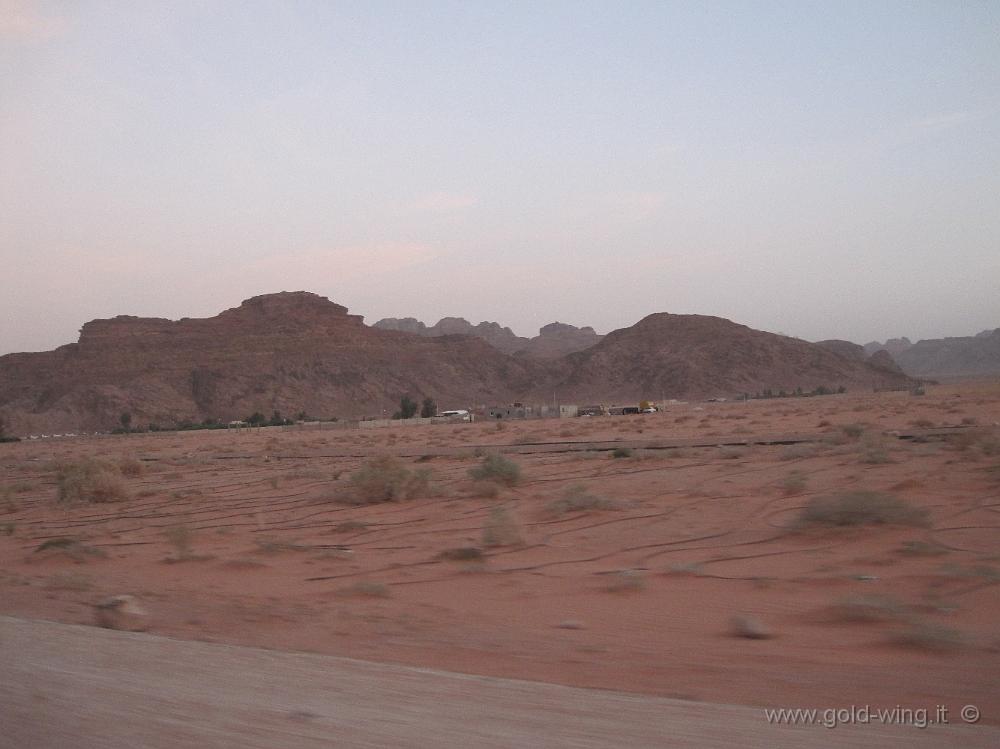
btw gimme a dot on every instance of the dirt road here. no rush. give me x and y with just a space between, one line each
66 685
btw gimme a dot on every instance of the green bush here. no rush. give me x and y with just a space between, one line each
498 469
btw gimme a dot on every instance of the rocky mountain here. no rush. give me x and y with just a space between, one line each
700 356
559 339
553 340
499 337
880 359
961 356
894 346
290 352
296 351
845 349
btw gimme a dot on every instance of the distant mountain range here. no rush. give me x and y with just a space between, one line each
298 352
553 340
962 356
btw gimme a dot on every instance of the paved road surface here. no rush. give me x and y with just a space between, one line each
77 687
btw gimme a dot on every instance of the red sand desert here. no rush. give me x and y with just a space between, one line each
243 537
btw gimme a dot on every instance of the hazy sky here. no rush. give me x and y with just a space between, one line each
824 169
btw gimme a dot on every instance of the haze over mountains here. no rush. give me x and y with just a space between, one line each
553 340
960 356
299 352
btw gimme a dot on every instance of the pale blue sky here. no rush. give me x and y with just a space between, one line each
819 169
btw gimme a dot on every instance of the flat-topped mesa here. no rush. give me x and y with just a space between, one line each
403 324
557 328
298 308
284 312
124 326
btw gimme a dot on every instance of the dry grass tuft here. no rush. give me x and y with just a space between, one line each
498 469
350 525
977 442
794 482
920 635
874 450
386 479
131 467
72 581
867 609
501 529
798 452
626 581
73 548
368 589
90 481
922 549
462 554
861 508
180 537
576 498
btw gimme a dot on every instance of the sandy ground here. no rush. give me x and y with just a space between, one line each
244 539
87 687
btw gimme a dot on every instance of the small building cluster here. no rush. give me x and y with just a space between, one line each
562 411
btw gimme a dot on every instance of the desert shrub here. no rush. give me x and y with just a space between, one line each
498 469
626 581
621 452
485 489
180 537
350 525
501 529
462 554
386 479
977 441
922 549
73 548
131 467
276 545
867 609
731 453
90 480
926 636
854 431
686 568
73 581
577 499
794 482
873 450
796 452
368 589
861 508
